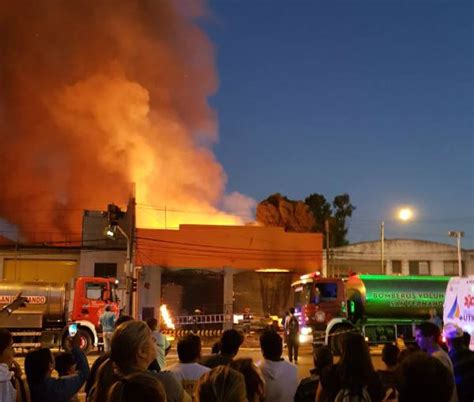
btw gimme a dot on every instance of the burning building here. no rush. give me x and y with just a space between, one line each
97 95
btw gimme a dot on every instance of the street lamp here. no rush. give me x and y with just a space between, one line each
111 232
458 235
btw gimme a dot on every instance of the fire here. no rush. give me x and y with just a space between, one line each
120 96
166 317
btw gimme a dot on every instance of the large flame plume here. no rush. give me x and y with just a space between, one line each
96 95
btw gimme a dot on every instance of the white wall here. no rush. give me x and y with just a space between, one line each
89 257
406 250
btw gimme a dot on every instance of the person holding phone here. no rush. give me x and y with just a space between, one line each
39 364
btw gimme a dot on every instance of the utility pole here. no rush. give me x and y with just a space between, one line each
382 247
458 235
114 214
326 226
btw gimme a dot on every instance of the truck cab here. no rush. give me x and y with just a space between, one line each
91 296
317 301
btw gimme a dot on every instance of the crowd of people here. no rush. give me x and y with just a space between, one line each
133 368
422 372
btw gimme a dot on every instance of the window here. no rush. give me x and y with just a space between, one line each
105 269
94 290
419 267
302 293
396 267
326 291
451 267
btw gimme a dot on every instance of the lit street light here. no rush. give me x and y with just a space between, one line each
111 232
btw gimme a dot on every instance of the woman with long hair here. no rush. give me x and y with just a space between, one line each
140 386
221 384
132 351
254 382
354 373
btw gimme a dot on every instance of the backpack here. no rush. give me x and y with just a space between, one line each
351 395
293 325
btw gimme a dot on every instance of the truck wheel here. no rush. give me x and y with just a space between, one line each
86 341
337 337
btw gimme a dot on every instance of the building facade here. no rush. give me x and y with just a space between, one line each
400 257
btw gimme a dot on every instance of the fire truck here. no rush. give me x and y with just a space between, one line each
383 308
52 307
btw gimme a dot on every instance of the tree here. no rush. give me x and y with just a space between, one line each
320 209
342 209
336 214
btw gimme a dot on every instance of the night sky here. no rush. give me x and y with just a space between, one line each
371 98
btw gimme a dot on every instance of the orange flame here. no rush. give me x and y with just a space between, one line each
166 317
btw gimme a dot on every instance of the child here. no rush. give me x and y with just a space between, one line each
66 365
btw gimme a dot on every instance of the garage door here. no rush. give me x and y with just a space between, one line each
58 271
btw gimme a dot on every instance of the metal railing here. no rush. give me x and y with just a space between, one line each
201 319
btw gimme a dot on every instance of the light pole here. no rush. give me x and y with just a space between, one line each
128 266
110 232
458 234
382 247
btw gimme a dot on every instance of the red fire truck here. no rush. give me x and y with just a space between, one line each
52 307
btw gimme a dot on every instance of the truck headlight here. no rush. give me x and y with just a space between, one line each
306 330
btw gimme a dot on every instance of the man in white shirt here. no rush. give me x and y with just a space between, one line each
163 346
188 371
281 377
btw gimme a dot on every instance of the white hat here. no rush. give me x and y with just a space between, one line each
451 331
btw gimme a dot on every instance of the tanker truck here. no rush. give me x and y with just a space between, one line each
51 307
382 307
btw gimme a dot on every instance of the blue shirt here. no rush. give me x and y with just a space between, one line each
62 389
107 320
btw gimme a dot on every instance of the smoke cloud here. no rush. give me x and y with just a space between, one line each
96 95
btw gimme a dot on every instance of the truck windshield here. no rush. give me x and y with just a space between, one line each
326 291
113 293
302 294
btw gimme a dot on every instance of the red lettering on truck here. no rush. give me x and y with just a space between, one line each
6 299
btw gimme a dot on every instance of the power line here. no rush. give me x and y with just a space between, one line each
240 257
209 246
